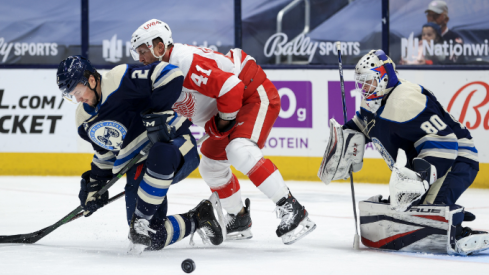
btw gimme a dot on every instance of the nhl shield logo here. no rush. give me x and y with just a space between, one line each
108 134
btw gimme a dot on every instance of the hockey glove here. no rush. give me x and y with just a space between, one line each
157 125
89 203
216 133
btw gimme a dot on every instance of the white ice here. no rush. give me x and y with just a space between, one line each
97 245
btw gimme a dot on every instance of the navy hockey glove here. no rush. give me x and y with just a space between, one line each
157 126
87 189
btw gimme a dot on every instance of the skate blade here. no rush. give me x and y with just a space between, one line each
216 204
242 235
305 227
473 244
135 249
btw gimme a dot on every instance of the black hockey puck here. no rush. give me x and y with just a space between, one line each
188 266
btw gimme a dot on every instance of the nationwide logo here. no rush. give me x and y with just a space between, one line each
475 96
112 49
411 48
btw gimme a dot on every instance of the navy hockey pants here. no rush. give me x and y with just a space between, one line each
159 153
456 182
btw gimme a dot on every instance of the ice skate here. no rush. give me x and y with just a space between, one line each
294 223
139 235
471 241
207 225
239 226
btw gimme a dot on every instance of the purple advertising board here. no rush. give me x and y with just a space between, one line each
296 104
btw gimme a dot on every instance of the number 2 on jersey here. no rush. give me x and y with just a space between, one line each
199 79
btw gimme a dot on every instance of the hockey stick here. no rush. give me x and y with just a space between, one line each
36 236
78 212
356 240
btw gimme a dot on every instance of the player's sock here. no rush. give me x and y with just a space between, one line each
268 179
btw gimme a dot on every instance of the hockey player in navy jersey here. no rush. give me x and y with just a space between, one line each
432 157
121 112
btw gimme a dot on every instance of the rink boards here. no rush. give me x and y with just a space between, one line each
38 135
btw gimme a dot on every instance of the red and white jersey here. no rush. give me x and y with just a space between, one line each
211 82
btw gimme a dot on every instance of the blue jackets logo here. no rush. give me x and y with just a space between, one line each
108 134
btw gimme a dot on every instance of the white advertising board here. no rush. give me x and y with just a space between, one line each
34 118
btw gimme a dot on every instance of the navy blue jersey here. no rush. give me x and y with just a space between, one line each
412 119
114 127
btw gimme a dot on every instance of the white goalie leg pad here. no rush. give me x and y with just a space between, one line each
423 228
405 186
344 153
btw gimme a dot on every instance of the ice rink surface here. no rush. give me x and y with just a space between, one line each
98 244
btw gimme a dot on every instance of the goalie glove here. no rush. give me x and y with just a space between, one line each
344 153
406 186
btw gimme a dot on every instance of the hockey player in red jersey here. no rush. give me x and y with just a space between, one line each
232 98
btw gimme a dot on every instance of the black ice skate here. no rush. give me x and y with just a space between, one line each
139 235
239 226
470 241
207 225
293 215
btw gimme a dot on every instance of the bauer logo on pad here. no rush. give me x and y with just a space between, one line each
296 104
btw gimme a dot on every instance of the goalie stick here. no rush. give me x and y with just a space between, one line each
356 240
33 237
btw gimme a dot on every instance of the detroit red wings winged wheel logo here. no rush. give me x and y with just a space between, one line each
185 106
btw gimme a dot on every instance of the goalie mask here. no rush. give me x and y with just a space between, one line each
146 33
375 75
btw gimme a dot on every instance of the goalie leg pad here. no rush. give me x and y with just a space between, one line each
423 228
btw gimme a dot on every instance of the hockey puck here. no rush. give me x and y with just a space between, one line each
188 266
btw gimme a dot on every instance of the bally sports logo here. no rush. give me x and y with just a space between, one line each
475 96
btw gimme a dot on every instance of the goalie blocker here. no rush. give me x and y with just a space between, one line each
423 228
344 153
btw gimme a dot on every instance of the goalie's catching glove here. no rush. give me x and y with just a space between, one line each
89 203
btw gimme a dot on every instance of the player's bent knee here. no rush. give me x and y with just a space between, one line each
163 157
214 172
243 154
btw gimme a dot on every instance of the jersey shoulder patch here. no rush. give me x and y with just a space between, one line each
111 80
405 103
164 73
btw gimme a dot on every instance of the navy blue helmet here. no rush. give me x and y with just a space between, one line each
71 71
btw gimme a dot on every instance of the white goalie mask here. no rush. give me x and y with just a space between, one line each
145 34
375 75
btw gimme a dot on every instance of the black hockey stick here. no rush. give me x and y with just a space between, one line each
36 236
356 240
114 198
78 212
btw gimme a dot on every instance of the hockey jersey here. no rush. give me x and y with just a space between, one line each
211 82
412 119
114 127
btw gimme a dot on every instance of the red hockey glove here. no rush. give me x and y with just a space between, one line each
214 132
